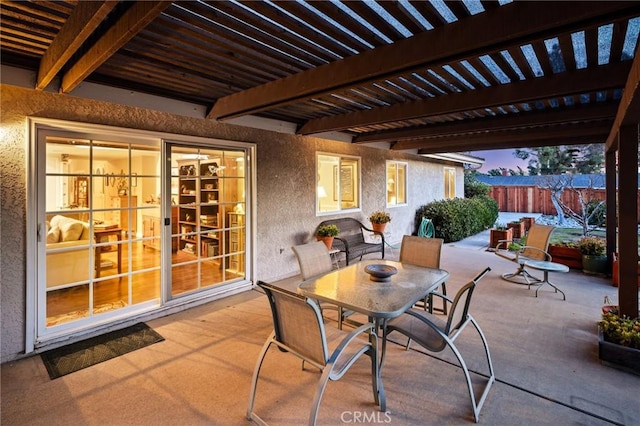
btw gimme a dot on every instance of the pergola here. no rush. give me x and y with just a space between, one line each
430 77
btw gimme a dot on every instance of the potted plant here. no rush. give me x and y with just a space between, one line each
594 260
326 233
518 228
379 220
566 253
528 221
619 341
498 233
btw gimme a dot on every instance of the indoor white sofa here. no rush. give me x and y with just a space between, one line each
67 251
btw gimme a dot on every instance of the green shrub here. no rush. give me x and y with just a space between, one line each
459 218
473 187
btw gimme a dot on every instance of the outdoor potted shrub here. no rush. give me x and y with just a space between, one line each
498 233
379 220
594 260
619 341
518 228
326 233
566 253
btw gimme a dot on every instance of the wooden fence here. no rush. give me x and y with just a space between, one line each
533 199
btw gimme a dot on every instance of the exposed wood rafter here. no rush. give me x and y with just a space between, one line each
629 106
564 84
569 134
138 16
84 19
594 111
494 30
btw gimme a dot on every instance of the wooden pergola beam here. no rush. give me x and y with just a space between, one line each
629 106
564 84
138 16
574 133
490 144
589 112
82 22
493 30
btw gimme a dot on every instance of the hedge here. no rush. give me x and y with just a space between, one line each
459 218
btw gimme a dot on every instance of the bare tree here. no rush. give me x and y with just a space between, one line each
589 207
556 185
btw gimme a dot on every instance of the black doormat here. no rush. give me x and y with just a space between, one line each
83 354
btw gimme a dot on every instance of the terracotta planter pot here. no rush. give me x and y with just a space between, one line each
569 256
380 227
615 271
618 356
499 234
328 241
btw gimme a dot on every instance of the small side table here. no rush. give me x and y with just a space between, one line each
334 257
100 234
547 267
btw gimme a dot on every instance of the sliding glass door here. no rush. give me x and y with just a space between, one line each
209 201
131 223
97 195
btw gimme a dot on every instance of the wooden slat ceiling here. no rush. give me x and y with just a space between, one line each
428 75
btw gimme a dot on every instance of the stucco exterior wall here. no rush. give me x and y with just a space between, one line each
286 180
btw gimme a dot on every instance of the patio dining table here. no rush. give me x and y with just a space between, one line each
353 289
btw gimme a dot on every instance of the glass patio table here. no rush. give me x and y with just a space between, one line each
353 289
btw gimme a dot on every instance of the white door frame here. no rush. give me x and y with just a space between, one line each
34 338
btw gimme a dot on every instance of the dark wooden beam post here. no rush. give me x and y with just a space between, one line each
628 219
611 175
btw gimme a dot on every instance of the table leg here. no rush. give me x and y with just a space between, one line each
98 261
381 398
119 237
546 281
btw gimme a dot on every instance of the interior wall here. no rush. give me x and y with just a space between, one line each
286 182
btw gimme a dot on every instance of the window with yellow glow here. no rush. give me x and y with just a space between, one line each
338 186
449 183
396 183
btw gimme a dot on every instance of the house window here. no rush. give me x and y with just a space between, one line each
449 182
338 186
396 183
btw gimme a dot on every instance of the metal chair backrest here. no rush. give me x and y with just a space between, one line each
314 259
459 310
421 251
297 323
538 237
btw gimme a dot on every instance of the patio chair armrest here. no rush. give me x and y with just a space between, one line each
351 336
344 242
501 250
442 296
547 256
365 348
502 243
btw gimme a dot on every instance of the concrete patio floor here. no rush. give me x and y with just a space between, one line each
545 354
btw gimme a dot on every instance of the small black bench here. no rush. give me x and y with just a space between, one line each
350 239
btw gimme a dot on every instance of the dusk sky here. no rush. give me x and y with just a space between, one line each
499 158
